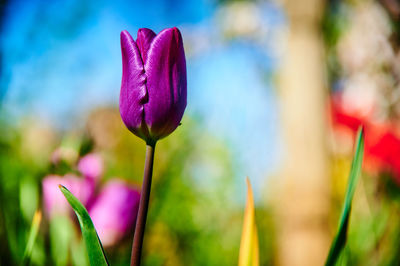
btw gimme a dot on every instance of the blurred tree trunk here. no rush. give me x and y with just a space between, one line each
304 201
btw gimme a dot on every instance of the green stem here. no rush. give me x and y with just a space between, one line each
143 206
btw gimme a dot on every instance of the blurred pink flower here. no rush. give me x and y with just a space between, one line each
54 201
114 211
91 166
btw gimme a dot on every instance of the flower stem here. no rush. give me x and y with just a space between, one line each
143 206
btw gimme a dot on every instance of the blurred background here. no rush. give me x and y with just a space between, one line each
276 92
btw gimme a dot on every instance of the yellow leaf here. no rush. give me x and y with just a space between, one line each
37 218
249 253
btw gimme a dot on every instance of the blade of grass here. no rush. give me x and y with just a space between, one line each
249 252
37 218
95 250
341 236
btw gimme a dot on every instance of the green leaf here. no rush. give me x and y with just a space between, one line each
61 232
341 236
37 218
249 251
94 248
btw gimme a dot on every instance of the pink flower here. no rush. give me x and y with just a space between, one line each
54 201
114 211
91 166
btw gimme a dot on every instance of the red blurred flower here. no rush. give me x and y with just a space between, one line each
382 141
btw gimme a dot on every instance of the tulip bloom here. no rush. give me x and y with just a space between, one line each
153 90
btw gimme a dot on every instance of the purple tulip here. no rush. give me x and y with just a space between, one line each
153 90
114 211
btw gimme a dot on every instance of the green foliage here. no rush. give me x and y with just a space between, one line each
341 236
37 218
61 232
193 181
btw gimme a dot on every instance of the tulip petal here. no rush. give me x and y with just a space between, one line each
133 88
166 83
143 41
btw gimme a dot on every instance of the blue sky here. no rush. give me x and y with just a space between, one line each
62 59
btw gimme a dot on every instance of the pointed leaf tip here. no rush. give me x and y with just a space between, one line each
94 247
37 218
341 236
249 250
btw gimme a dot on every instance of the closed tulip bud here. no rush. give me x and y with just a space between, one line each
153 90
